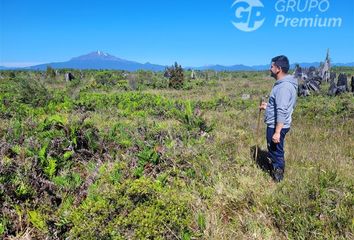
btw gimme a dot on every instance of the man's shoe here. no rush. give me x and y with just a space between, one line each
278 174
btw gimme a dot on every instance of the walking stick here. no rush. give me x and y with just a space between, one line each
258 126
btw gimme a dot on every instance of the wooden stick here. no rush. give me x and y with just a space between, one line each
258 126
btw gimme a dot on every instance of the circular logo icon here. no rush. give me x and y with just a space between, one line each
248 15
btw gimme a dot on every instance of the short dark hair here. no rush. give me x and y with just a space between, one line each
281 62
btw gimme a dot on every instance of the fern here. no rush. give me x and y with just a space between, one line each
51 168
42 153
37 220
67 155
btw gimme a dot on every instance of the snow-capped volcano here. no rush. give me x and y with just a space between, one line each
97 55
101 60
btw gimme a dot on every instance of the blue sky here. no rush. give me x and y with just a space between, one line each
193 33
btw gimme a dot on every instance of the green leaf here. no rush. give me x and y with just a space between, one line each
37 220
67 155
42 153
51 168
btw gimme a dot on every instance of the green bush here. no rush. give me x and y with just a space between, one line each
133 209
109 78
176 76
50 73
26 91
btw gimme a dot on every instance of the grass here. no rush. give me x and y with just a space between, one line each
106 162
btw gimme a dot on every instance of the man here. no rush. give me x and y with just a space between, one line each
278 113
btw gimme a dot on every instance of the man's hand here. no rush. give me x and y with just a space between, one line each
263 106
276 137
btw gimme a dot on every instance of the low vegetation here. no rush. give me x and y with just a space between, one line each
119 155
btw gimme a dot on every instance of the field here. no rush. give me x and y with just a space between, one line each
116 155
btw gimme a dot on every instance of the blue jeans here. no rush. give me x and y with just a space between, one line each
276 150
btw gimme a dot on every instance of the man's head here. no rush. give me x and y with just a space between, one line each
280 67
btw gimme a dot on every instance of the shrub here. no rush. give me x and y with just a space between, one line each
106 78
133 209
27 91
176 76
50 72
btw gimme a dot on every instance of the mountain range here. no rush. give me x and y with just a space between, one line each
102 60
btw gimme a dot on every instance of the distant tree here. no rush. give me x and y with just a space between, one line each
50 72
175 75
12 75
